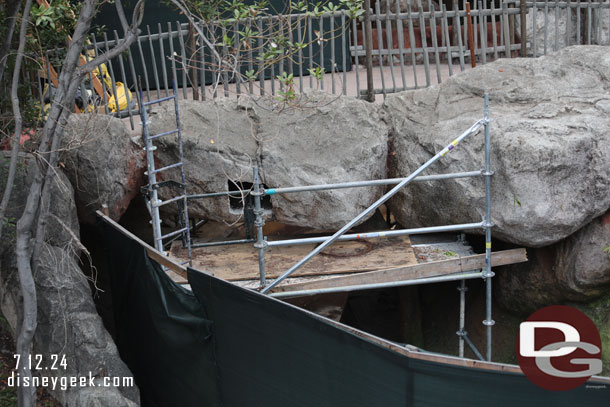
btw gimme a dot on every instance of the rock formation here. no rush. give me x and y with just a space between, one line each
105 166
329 139
550 133
68 322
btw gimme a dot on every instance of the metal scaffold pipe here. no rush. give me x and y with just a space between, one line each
259 222
488 274
360 184
376 204
374 235
353 184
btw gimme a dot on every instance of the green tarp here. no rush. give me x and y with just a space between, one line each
221 345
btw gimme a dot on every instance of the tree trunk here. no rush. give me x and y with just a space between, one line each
8 36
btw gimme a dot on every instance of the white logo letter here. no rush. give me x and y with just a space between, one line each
527 335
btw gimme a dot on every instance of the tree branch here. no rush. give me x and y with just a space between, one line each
130 36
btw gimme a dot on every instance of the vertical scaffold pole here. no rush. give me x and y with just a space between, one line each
152 179
488 274
259 222
462 332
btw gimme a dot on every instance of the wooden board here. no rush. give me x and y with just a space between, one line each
413 271
240 262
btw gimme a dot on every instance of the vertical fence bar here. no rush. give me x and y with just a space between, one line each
568 23
291 39
237 73
494 30
250 61
154 62
125 87
321 43
202 63
475 25
144 64
412 44
437 61
259 222
482 33
101 76
380 46
471 44
163 57
507 41
172 54
424 45
271 31
344 39
578 11
185 67
281 48
112 80
223 68
556 44
390 43
261 66
523 24
132 68
401 44
534 30
300 53
488 273
310 46
354 45
589 23
333 60
459 40
546 26
448 39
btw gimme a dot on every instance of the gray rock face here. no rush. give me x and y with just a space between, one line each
105 166
317 143
550 133
575 269
68 322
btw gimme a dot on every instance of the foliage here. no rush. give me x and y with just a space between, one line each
255 35
607 250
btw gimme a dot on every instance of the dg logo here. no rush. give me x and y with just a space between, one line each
559 348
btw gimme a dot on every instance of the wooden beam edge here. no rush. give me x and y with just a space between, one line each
151 251
500 258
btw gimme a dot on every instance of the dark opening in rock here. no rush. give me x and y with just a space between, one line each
237 202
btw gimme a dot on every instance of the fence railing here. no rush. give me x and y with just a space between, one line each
411 48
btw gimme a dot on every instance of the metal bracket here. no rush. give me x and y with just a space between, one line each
460 288
263 245
461 333
489 274
490 173
489 322
487 224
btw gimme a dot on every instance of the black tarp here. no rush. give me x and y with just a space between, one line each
228 346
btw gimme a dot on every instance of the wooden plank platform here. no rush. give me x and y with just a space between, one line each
240 262
412 271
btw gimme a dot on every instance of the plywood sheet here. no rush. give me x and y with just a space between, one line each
240 262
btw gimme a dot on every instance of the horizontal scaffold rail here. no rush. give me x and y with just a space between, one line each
341 185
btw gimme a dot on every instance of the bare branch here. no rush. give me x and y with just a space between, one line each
130 36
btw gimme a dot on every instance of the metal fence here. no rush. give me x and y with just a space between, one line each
413 48
410 47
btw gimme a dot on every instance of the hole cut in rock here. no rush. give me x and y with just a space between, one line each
236 202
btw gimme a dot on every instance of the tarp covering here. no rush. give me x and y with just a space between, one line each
221 345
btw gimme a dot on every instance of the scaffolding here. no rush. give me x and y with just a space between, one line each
258 191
